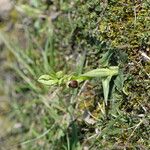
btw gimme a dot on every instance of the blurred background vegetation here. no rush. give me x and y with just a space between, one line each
39 37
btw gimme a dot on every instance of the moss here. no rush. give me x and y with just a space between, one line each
121 26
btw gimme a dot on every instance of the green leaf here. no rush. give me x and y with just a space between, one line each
30 11
59 74
80 78
47 80
105 84
45 77
104 61
103 72
119 81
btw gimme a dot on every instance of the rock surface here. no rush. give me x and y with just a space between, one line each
5 8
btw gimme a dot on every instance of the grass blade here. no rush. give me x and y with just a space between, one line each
105 84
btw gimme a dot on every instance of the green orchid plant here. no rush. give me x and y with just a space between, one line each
60 79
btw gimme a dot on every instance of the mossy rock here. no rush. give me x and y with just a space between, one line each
122 27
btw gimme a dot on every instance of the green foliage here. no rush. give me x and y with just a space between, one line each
102 72
105 74
60 78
